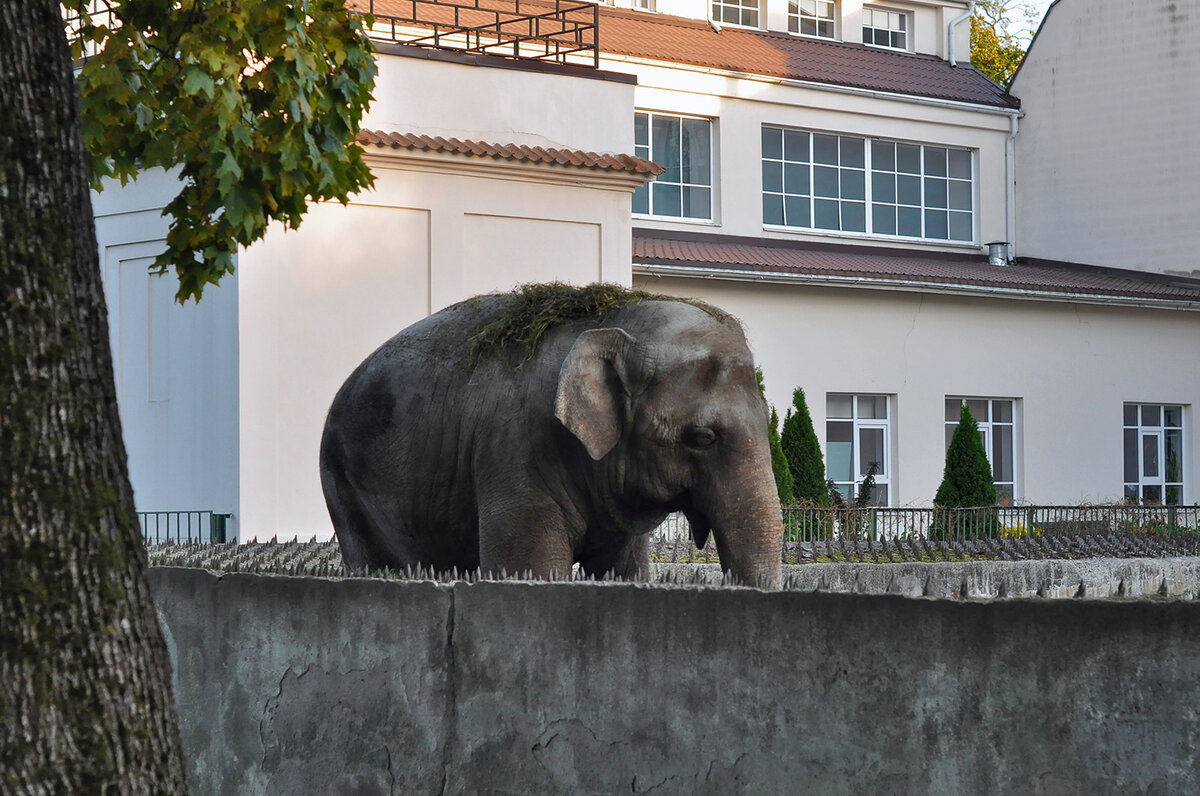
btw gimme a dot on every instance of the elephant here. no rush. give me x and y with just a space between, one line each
441 452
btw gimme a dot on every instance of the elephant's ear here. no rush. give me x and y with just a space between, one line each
591 388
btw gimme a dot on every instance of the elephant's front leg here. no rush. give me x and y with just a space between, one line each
526 534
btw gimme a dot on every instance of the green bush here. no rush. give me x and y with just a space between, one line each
779 463
966 484
803 453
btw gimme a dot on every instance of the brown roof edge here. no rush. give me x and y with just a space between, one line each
521 152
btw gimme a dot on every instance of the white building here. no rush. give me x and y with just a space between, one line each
834 195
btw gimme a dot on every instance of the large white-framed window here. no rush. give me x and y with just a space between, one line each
812 18
736 12
885 27
837 183
857 442
997 421
683 145
1153 447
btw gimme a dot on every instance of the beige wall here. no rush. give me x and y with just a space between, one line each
1070 367
433 232
1107 165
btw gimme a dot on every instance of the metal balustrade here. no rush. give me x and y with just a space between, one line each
195 527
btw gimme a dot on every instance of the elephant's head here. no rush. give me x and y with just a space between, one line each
673 413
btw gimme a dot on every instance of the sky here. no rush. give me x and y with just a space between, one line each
1019 28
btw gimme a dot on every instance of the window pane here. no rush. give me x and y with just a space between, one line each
839 405
1174 457
872 407
825 214
960 226
1131 414
795 178
1152 495
641 129
935 161
1131 455
839 441
960 164
1173 416
936 224
1151 415
854 217
666 199
1002 411
1004 494
795 146
825 149
908 190
854 184
960 195
883 187
908 222
935 193
979 410
1150 467
772 142
852 152
697 202
883 155
952 409
883 219
1002 453
825 29
772 209
825 181
1131 493
1174 495
880 496
950 427
908 158
696 152
665 149
870 451
641 199
772 176
796 209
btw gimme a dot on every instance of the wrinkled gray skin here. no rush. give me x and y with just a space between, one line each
574 457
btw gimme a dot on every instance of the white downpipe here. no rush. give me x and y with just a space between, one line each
1010 222
954 23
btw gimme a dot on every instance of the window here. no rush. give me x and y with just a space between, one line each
736 12
1154 453
683 146
811 18
997 430
819 181
857 441
883 28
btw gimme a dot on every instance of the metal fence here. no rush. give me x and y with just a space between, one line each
199 527
672 540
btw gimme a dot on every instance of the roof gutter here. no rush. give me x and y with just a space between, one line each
954 23
909 285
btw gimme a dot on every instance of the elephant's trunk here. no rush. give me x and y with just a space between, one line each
747 523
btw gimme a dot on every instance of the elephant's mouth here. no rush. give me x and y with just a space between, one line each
699 525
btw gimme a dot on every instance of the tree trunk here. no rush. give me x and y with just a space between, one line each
85 699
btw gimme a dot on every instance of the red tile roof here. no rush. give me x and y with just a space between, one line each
531 154
774 54
848 263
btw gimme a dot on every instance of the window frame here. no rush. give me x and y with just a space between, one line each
907 32
646 151
796 19
740 7
1134 490
987 429
858 424
956 206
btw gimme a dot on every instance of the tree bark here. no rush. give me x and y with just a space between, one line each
85 699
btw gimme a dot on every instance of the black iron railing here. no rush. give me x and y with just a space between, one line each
200 527
551 30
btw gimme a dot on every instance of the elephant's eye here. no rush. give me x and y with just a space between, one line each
699 437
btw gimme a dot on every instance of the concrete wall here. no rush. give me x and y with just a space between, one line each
294 685
1107 173
1069 367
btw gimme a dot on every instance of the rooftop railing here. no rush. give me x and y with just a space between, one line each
549 30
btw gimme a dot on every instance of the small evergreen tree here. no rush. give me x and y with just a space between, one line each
779 463
803 453
966 482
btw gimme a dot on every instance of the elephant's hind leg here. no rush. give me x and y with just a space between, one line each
628 561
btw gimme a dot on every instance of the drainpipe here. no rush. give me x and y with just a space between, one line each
1010 223
954 23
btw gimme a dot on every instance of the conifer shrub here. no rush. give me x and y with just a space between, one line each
803 453
966 484
779 463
